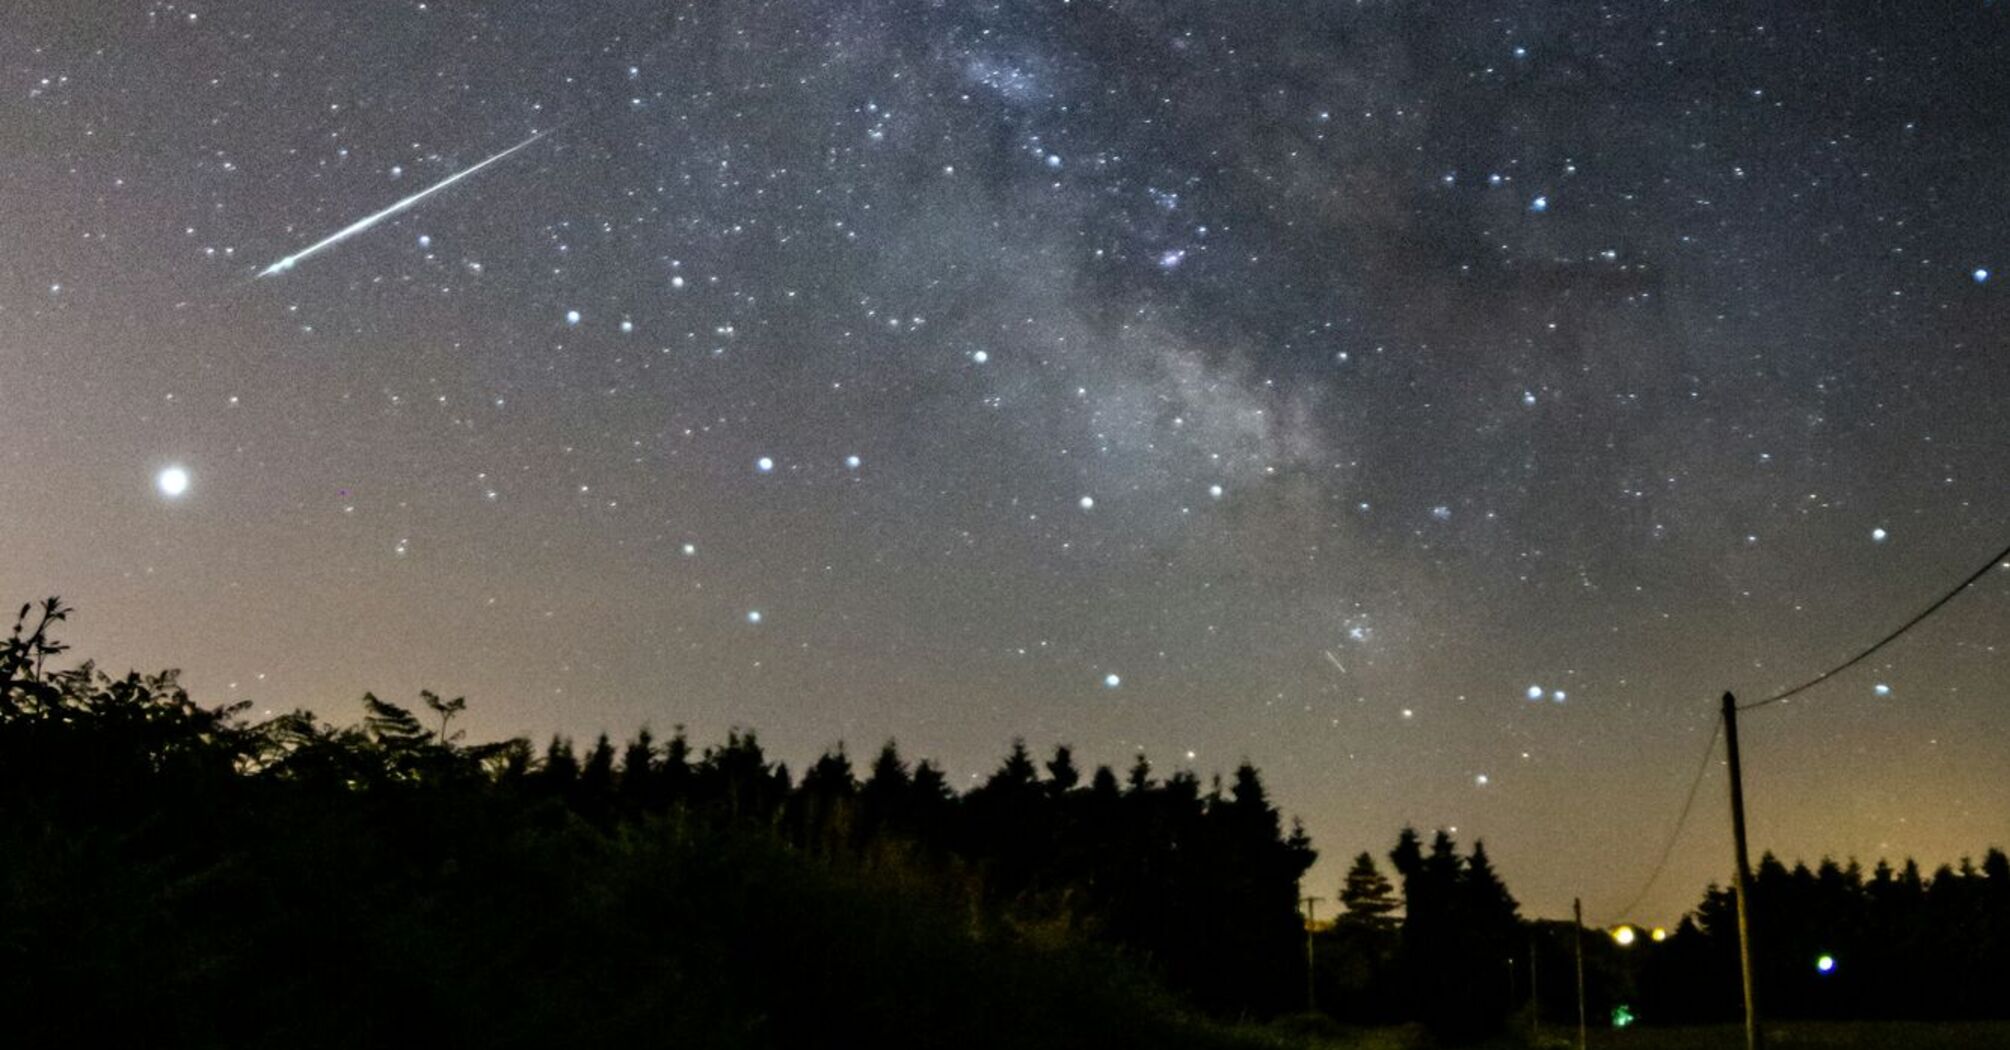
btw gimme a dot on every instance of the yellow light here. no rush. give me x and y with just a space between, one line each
1659 934
1624 935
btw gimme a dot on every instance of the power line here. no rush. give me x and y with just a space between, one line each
1887 639
1681 819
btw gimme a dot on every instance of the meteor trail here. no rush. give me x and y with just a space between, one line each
365 223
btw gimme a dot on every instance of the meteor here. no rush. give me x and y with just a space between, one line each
365 223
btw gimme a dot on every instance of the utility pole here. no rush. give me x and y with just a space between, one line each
1577 939
1311 999
1753 1039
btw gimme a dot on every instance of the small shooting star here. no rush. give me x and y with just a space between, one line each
1335 661
365 223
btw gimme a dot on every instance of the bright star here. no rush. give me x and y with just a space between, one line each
852 462
1539 205
1879 535
172 482
1881 689
764 465
1981 275
1111 681
1087 503
753 616
1534 692
572 317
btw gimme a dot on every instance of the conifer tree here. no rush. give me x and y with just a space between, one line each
1367 896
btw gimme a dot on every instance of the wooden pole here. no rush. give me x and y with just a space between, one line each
1577 939
1754 1040
1311 997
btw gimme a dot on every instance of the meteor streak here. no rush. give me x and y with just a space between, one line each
365 223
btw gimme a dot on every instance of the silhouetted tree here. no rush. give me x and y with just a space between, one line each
1367 896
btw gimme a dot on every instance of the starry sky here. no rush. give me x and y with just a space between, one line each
1437 404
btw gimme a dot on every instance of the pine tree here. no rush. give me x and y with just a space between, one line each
1369 898
594 793
638 781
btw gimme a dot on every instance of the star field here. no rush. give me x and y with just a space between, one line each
1439 405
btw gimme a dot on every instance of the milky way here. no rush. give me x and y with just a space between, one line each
1439 405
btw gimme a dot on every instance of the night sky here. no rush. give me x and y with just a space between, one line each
1439 405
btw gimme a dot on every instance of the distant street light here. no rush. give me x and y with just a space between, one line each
1624 936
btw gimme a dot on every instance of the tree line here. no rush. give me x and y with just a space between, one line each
160 856
1830 942
1192 883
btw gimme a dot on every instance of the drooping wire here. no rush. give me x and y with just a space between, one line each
1681 820
1887 639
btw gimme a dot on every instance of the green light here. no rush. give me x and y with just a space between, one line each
1825 963
1622 1015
